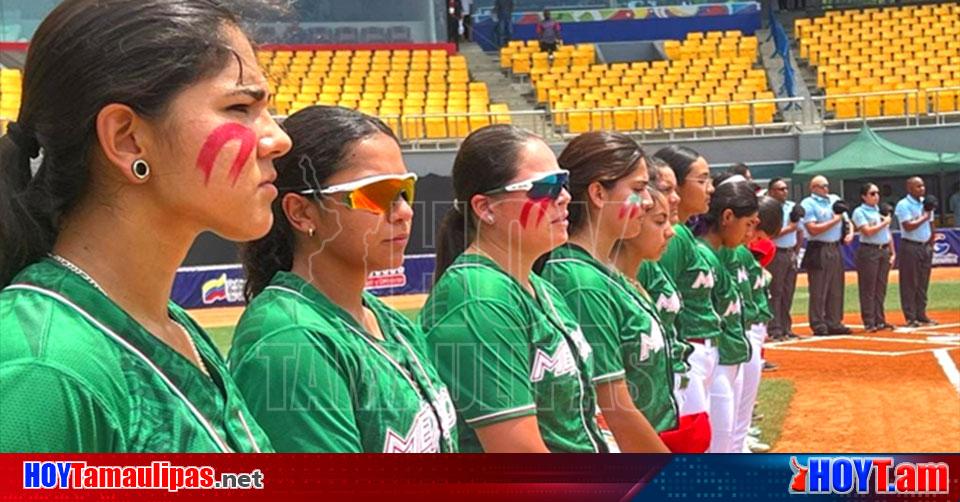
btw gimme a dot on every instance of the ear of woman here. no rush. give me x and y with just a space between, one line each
122 137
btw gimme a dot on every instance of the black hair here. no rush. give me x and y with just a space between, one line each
85 55
738 196
487 160
605 157
739 168
322 137
771 215
773 182
679 159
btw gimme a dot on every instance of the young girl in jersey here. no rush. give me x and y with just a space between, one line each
503 339
150 121
633 370
661 286
756 313
732 216
685 261
639 257
325 366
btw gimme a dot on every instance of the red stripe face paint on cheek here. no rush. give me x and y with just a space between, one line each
215 143
540 204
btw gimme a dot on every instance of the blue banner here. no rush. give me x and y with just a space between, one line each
222 285
946 248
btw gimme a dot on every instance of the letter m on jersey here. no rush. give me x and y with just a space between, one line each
559 364
704 280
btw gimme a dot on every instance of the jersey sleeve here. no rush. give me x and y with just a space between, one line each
674 258
601 324
481 350
299 387
45 409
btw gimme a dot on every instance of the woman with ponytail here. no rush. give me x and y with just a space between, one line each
661 285
149 119
685 262
358 381
519 368
728 224
633 370
691 432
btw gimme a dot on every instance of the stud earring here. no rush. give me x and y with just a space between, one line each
140 169
310 232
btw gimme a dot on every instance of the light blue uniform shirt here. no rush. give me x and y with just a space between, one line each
910 209
787 240
870 215
820 209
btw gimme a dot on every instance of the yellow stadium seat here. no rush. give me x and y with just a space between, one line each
578 121
502 113
738 114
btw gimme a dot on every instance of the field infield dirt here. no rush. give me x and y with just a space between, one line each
892 391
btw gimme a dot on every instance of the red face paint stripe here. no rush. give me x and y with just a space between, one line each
542 205
525 212
217 140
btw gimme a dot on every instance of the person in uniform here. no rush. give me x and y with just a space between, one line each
875 255
783 268
518 366
824 221
633 370
731 219
133 126
686 263
915 216
324 365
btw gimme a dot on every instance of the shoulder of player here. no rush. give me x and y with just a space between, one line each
45 336
570 275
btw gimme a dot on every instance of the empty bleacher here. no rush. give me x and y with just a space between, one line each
421 94
885 62
710 80
10 85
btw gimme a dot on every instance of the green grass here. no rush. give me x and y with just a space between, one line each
772 402
943 295
222 336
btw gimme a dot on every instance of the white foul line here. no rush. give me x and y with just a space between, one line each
856 351
949 368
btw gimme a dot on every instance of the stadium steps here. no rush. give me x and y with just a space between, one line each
485 67
774 65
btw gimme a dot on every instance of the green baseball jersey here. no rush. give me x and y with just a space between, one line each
759 280
317 381
737 266
507 354
733 346
623 328
669 303
78 374
685 260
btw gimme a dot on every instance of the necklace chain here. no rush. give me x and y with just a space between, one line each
85 276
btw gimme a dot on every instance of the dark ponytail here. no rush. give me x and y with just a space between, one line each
487 160
679 159
738 196
85 55
601 156
322 137
771 215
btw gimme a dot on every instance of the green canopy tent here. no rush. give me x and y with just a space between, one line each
870 156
